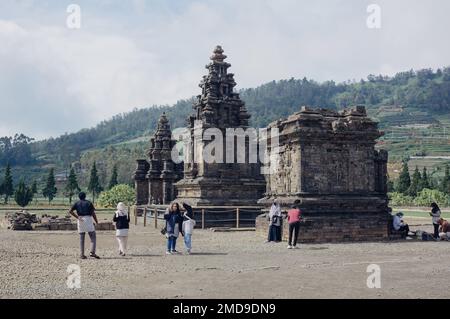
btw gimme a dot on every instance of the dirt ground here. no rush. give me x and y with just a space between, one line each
223 265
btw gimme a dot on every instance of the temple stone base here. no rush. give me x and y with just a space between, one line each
335 218
334 228
219 192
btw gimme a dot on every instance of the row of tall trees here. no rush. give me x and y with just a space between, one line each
420 187
24 194
412 185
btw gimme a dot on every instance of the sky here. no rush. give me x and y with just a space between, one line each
137 53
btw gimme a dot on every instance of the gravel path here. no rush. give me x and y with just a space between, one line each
224 265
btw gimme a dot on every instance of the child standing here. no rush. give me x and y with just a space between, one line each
188 227
122 220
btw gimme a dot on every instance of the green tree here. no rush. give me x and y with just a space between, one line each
34 190
113 182
72 186
404 180
119 193
445 183
425 180
94 183
50 189
416 182
23 194
7 185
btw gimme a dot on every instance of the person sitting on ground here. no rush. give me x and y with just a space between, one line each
85 215
400 225
444 229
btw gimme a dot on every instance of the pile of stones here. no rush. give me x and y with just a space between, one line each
20 220
26 221
48 222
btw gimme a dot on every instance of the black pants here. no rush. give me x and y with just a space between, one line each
293 230
405 230
436 231
274 233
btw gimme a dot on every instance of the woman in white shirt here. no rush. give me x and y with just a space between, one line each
436 216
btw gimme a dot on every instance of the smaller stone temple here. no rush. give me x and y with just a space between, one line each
328 162
155 179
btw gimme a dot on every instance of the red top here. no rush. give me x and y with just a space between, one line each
294 215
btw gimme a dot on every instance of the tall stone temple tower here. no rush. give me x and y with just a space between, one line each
155 179
218 183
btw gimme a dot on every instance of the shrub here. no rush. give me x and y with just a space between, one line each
399 199
119 193
427 196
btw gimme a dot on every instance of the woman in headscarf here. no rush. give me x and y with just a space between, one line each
274 223
174 222
122 220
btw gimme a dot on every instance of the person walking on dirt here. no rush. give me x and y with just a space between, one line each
122 221
84 212
174 223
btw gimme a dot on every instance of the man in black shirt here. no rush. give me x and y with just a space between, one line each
85 215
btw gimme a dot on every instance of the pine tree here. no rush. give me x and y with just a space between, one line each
416 183
113 182
7 185
445 184
425 180
34 191
94 183
23 195
72 185
404 180
50 189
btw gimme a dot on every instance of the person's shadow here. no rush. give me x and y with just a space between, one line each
208 254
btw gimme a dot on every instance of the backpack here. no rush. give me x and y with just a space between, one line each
427 237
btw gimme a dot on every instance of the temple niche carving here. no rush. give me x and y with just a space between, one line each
328 161
155 179
218 106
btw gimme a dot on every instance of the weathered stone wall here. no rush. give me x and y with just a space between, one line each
332 229
329 165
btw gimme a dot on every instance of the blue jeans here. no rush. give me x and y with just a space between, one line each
171 243
188 241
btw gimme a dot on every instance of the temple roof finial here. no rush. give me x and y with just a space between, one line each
218 55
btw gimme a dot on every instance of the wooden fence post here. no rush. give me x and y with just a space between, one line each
237 217
203 218
145 217
156 218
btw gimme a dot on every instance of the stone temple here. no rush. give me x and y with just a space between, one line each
328 162
154 180
218 183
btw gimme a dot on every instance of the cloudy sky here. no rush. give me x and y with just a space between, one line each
138 53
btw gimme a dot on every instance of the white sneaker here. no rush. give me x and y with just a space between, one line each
168 253
296 247
289 247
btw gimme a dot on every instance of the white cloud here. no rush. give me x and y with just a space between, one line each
141 53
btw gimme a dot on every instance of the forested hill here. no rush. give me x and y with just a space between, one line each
408 97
